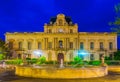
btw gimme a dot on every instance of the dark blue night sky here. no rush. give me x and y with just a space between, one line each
30 15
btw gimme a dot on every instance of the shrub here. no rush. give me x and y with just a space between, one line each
77 60
51 62
107 58
1 56
33 60
41 60
28 58
96 63
14 62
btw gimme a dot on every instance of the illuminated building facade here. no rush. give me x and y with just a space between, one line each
61 40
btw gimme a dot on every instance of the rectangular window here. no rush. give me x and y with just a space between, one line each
50 31
111 56
49 45
71 45
91 56
60 44
29 45
110 46
101 46
81 45
100 56
20 45
91 45
71 31
39 45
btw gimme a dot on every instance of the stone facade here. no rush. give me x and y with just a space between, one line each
61 40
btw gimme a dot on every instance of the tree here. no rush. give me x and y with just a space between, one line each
117 55
2 44
2 49
116 24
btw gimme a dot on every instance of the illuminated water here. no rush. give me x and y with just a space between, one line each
10 77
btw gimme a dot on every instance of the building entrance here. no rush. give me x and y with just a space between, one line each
60 56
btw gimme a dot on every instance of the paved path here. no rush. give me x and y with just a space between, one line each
10 77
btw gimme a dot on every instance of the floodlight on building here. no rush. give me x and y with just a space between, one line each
82 52
37 53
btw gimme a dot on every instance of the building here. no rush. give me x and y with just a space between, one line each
61 40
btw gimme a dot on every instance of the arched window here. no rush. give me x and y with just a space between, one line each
91 45
110 45
29 45
81 45
20 45
11 45
39 45
71 45
101 46
60 44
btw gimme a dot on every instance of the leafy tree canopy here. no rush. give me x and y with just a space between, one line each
117 55
116 24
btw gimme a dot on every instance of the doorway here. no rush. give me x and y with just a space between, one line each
60 56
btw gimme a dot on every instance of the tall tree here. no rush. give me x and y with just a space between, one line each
2 43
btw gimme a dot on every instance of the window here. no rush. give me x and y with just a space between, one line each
71 31
49 45
71 45
101 46
111 56
81 56
20 45
29 45
91 45
110 45
60 30
60 22
81 45
91 56
11 45
19 56
60 44
100 56
50 31
39 45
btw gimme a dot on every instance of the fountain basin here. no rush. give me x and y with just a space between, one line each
64 73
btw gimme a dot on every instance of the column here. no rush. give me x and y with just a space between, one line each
46 43
64 43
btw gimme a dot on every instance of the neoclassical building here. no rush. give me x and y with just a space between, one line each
61 40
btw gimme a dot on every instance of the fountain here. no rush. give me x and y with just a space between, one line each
64 73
